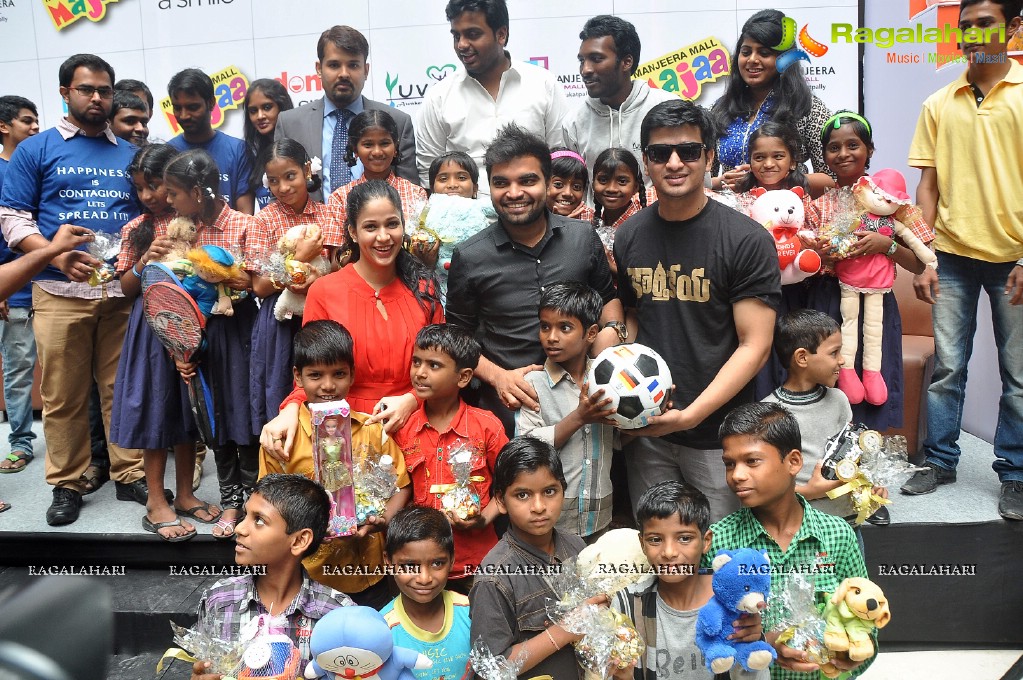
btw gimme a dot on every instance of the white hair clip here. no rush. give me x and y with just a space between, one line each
315 165
211 194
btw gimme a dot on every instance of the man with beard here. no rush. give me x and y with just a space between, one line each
191 93
497 276
75 173
342 65
608 57
129 118
464 111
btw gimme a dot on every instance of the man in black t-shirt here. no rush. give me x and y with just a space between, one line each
699 283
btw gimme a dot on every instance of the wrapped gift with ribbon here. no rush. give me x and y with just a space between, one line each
421 238
105 247
864 459
375 482
261 651
840 224
460 498
610 640
800 624
490 666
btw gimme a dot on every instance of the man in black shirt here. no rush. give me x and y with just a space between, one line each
699 283
497 276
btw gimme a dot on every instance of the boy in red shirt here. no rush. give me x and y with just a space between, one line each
443 363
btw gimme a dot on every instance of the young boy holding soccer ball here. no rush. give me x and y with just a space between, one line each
573 419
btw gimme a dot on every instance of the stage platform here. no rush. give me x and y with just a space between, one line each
948 563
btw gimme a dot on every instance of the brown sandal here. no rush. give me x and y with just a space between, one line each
93 478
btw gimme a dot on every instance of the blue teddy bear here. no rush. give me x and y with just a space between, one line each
742 580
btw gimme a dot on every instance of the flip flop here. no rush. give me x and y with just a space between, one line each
226 525
191 513
154 528
4 507
16 457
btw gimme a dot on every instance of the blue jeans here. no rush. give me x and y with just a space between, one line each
19 353
955 323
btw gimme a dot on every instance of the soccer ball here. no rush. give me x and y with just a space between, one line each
636 379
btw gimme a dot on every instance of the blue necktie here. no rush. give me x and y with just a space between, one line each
340 173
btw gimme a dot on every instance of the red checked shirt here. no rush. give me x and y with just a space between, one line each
426 458
410 194
128 257
276 218
228 231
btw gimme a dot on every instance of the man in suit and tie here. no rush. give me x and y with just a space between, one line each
342 52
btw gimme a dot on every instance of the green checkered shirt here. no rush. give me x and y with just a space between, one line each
825 546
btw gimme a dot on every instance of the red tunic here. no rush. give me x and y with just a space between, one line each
383 348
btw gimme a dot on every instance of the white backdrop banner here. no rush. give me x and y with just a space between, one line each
686 46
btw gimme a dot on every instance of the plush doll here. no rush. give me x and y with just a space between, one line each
741 581
781 212
291 304
211 266
880 196
354 643
852 613
181 232
617 552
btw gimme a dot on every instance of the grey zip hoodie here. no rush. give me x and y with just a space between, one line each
594 126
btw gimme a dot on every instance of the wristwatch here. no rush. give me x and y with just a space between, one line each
895 246
620 328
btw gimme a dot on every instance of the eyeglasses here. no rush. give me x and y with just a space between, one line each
661 153
88 91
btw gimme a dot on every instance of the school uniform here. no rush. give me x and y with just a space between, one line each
270 378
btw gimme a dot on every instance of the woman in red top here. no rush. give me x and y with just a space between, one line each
383 297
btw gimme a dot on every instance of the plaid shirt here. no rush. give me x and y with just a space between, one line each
128 257
227 231
824 546
232 604
276 218
338 202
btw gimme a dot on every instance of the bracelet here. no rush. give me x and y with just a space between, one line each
551 638
895 246
135 271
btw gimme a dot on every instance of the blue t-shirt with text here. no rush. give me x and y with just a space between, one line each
82 181
448 648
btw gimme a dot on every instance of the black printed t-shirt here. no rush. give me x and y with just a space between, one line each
682 278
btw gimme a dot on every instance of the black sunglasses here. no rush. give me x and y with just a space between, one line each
661 153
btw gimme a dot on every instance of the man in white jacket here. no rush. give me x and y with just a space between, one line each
612 114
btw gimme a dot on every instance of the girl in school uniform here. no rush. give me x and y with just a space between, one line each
151 410
289 175
191 180
373 140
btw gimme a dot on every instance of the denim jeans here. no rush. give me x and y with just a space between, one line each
19 353
961 280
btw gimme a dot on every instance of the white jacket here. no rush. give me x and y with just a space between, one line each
594 126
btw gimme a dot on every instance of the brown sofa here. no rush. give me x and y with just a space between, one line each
917 362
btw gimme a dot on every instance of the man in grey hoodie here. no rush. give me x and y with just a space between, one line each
612 114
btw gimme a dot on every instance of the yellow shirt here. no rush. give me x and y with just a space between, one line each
334 563
978 153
